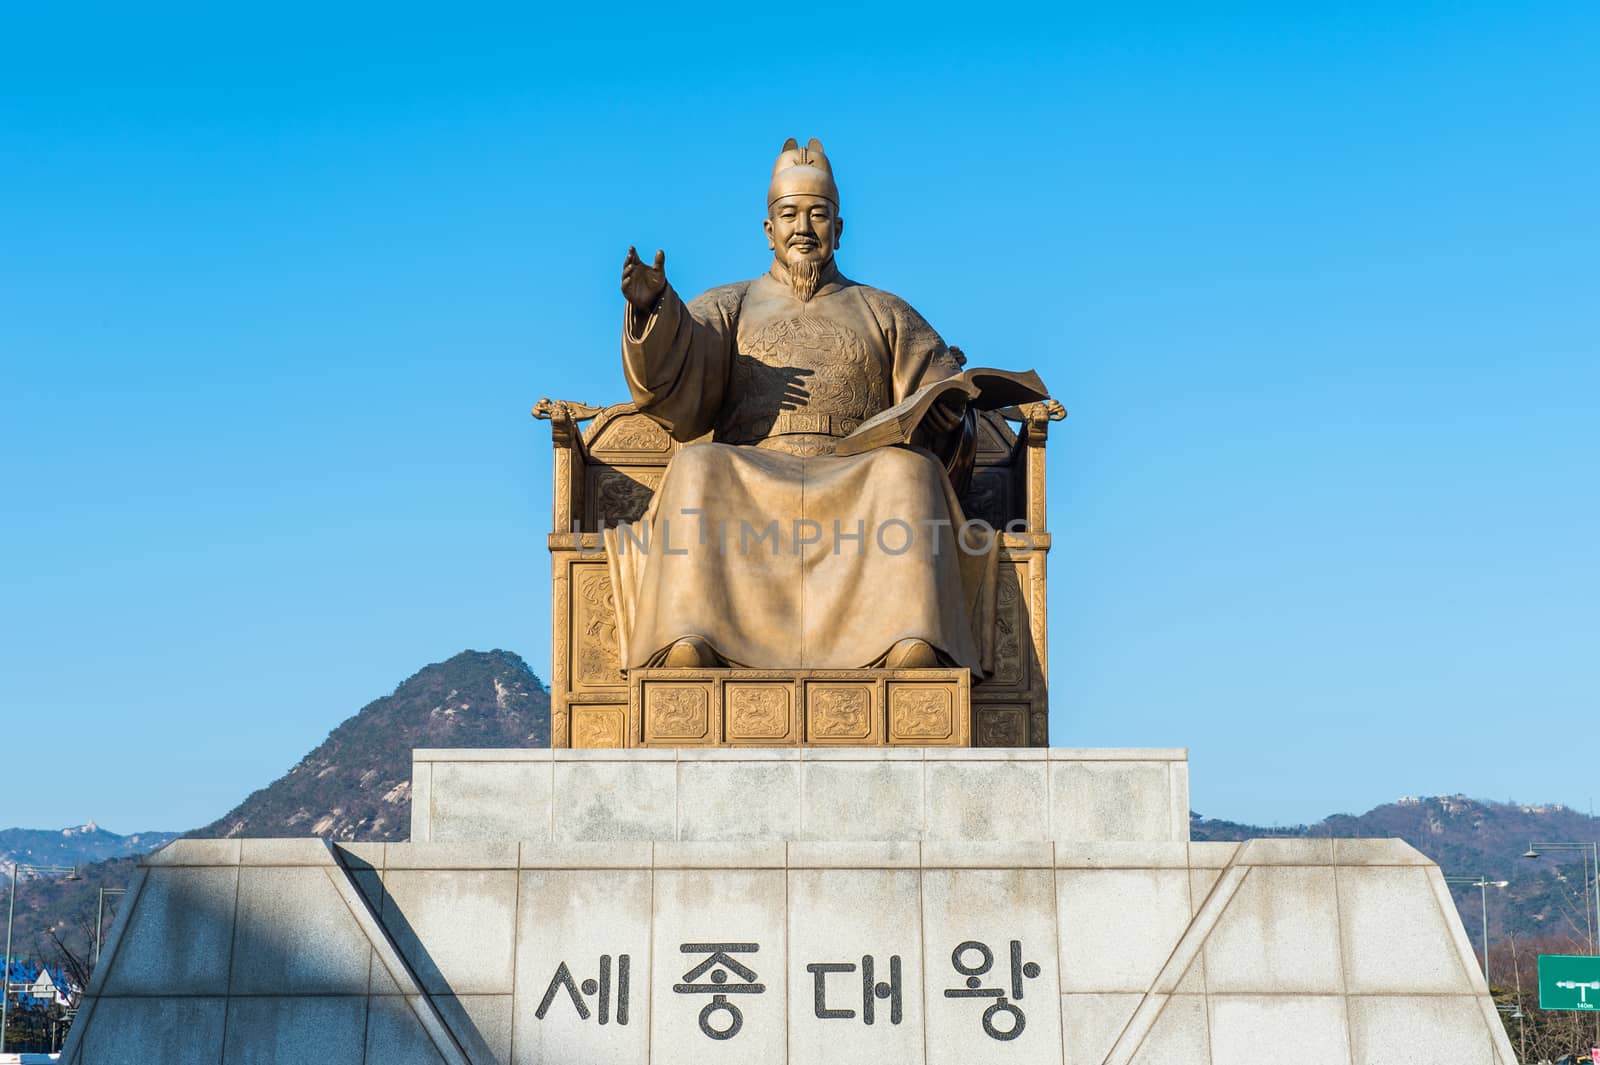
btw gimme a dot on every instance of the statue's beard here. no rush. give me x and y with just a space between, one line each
805 276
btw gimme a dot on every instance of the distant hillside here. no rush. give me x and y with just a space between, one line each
1472 838
357 784
74 846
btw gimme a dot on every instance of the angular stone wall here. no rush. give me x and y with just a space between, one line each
1042 951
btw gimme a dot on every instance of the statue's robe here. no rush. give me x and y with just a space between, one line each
776 381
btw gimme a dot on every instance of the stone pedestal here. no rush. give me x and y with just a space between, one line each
800 906
780 795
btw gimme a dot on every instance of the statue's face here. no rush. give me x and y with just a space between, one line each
803 229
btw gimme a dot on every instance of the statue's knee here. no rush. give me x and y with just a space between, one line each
700 458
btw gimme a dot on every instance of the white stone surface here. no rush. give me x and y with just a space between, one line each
1181 1033
1396 939
272 1030
490 801
1101 950
1435 1029
1268 1029
1115 800
1091 1023
995 908
731 908
866 799
855 918
1146 949
180 941
911 793
481 1023
581 918
1280 933
972 800
296 936
616 800
455 927
395 1036
738 799
141 1031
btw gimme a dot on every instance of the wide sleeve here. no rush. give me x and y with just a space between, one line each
676 361
921 357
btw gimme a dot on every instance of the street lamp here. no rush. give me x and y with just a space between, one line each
1482 884
100 917
1591 852
19 870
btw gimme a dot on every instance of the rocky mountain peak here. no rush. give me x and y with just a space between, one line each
357 783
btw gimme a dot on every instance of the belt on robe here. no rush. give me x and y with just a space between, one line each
795 423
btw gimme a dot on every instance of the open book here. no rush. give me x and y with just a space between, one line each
984 388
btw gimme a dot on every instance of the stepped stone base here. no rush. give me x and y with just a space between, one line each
668 949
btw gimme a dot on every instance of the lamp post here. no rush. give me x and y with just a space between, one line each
1482 883
1591 852
19 870
100 917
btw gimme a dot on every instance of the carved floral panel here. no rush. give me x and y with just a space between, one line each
599 726
839 712
1001 726
919 712
617 495
759 712
1011 631
632 432
597 662
677 712
988 497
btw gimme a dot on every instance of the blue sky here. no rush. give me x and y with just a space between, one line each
278 286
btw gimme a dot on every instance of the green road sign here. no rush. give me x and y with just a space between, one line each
1569 982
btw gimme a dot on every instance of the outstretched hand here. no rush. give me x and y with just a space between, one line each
642 285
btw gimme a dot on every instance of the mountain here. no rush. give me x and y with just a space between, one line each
1548 896
74 846
357 784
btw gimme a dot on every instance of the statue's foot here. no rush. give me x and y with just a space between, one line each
911 654
691 652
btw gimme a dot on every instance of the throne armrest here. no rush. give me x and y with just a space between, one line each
571 458
1036 419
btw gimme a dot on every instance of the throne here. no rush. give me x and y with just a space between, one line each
608 463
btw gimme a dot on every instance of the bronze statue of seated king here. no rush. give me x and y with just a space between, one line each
768 542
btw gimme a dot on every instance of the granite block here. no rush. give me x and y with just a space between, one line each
491 801
853 946
1101 949
272 1030
456 928
180 939
296 935
597 800
576 931
710 922
1280 933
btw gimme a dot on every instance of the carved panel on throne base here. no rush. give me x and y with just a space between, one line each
799 707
